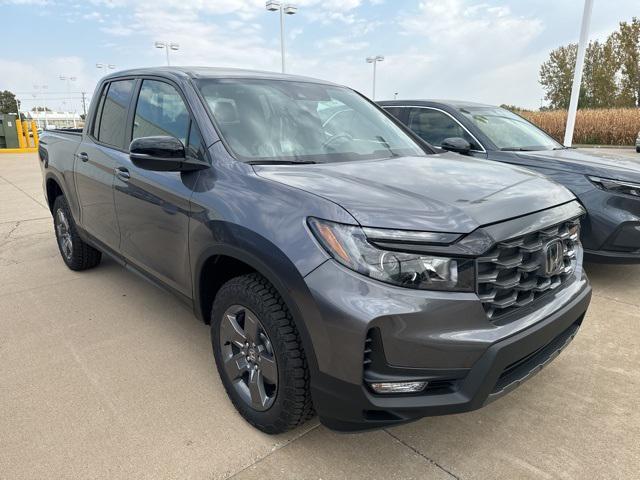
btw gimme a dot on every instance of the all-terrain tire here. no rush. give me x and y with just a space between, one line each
77 254
292 404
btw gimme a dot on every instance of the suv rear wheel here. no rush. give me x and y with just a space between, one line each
259 355
77 254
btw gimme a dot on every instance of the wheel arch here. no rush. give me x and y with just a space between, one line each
218 264
53 190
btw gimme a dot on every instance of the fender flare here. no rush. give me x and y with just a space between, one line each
294 290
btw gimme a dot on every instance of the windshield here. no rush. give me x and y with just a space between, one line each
508 130
286 121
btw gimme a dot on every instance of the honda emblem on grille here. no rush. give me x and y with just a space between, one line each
554 257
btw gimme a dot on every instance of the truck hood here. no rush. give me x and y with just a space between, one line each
441 193
606 165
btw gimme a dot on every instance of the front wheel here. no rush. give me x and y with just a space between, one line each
259 355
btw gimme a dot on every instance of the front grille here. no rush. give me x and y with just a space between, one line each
514 273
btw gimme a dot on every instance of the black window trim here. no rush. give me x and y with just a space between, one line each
450 116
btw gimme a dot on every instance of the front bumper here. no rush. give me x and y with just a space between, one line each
611 230
445 338
622 245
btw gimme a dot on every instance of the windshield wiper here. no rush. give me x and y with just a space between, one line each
386 145
518 149
281 162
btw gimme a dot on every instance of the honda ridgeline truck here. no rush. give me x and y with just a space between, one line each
344 268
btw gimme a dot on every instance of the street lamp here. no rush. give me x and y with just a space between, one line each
284 9
44 102
69 79
168 46
106 66
374 60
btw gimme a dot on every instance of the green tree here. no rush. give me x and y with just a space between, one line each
627 44
611 75
8 102
556 75
599 75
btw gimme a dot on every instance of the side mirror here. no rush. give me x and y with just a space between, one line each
456 144
162 154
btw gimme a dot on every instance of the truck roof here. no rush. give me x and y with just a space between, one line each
214 72
434 102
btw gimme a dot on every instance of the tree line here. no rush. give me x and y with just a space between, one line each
611 75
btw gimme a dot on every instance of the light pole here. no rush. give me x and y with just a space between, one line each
374 60
106 66
168 46
284 9
44 102
577 73
69 79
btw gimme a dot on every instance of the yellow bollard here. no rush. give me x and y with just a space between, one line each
25 130
34 129
20 137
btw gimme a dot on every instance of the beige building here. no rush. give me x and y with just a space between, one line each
52 120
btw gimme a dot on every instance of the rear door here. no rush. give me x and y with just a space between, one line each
101 151
153 208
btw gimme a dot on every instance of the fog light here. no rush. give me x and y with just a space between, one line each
398 387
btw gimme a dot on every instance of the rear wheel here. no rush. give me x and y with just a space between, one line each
77 254
259 355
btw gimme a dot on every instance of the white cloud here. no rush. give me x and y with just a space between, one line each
21 77
342 44
474 52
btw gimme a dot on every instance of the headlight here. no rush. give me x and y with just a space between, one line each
348 244
616 186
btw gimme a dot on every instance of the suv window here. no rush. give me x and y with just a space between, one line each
113 114
160 111
434 126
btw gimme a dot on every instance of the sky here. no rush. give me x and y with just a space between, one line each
478 50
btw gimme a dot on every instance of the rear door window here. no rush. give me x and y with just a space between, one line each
113 118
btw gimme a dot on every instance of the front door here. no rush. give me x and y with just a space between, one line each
153 208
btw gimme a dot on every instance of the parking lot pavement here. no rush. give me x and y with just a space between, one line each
613 152
104 376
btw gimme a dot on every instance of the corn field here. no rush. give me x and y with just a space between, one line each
607 126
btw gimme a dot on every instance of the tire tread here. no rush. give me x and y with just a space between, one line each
298 406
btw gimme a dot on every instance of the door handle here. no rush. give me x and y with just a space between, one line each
82 156
123 173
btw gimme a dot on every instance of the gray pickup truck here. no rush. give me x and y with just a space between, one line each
344 267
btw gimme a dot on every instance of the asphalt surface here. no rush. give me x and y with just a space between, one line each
103 375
